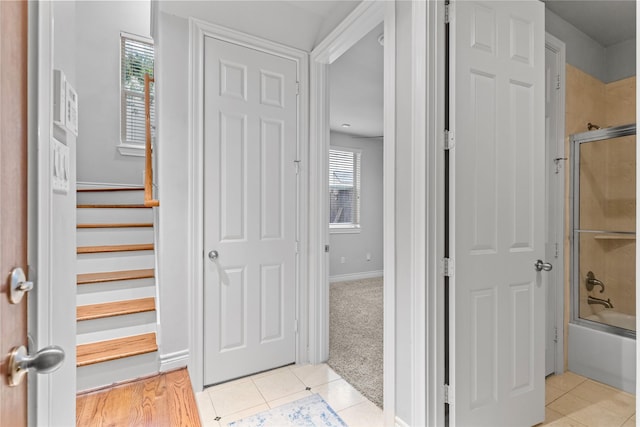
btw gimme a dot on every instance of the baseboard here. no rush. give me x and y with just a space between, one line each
355 276
400 423
86 184
173 361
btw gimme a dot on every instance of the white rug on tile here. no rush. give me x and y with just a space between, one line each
308 411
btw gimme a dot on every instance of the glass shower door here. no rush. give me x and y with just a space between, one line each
604 234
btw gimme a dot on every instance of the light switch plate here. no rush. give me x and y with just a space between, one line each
60 167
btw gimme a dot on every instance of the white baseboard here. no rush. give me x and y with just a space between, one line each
400 423
172 361
355 276
85 184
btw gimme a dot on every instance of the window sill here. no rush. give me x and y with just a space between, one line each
344 230
134 150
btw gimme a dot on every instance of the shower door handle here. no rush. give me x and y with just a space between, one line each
539 266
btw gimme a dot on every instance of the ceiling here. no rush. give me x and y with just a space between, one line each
356 88
606 21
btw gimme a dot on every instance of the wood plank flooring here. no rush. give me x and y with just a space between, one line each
163 400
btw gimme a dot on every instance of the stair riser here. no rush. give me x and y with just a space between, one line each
110 197
115 327
114 261
113 236
109 328
115 215
115 295
116 371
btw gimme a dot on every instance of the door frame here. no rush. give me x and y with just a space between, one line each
561 272
198 30
364 18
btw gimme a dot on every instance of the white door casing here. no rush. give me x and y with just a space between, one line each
250 210
497 206
556 163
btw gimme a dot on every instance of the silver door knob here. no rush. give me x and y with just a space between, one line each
43 362
213 255
539 265
19 285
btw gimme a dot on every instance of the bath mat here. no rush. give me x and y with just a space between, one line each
309 412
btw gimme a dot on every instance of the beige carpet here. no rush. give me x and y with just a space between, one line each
355 335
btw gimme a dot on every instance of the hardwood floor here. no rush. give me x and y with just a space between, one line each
163 400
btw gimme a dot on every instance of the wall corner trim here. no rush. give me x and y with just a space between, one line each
175 360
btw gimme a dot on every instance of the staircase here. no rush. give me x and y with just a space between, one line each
116 287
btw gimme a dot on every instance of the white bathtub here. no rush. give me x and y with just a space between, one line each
602 356
611 317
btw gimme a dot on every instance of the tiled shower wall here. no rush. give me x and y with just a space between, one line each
610 203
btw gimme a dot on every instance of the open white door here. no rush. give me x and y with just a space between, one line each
497 184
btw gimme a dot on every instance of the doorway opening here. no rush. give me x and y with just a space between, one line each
353 29
356 215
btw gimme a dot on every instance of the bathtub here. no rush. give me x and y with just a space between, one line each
612 317
603 356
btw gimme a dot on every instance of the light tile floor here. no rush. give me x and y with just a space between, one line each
571 400
575 401
228 402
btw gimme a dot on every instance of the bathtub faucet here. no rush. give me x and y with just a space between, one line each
593 300
592 281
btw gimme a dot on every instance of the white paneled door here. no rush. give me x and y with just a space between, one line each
497 317
250 212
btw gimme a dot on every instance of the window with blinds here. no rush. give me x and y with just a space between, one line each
136 60
344 188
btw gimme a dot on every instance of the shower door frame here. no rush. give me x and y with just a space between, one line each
575 141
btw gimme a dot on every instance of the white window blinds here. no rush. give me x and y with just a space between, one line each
136 60
344 188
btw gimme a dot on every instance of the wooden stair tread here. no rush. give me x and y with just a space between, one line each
116 225
104 351
115 308
113 276
112 206
114 248
104 189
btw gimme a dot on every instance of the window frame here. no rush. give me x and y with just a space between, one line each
348 228
126 147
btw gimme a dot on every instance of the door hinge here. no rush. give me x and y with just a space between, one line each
555 338
297 246
447 394
297 88
557 250
447 13
558 82
295 326
447 267
326 248
297 163
449 139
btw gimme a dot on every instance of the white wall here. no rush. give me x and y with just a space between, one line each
172 59
355 246
98 85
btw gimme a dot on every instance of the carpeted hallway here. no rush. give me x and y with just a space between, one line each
355 335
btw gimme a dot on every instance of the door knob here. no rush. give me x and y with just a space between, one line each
43 362
19 285
539 265
213 255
